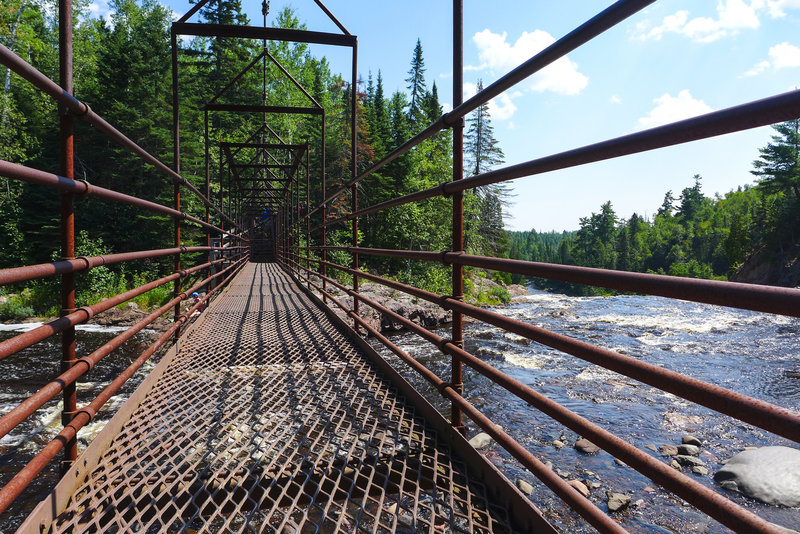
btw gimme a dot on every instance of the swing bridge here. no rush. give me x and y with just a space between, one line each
267 411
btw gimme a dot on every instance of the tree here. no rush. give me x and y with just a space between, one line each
481 148
779 164
416 87
692 200
667 206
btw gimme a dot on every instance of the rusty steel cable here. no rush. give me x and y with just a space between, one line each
703 498
84 415
83 112
776 419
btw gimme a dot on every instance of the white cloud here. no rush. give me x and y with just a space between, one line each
498 55
781 56
501 107
615 99
777 8
732 17
673 108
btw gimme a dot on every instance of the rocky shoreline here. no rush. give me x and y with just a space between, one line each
420 312
768 474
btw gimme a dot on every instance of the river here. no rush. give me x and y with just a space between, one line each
26 372
756 354
753 353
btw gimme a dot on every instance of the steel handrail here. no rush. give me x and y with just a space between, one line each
753 114
703 498
84 188
776 419
83 112
81 315
754 297
26 273
85 415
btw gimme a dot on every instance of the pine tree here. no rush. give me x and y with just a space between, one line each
416 88
431 106
779 164
481 148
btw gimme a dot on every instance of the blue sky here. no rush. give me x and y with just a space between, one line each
675 59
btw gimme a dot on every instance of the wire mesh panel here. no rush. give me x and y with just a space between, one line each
270 419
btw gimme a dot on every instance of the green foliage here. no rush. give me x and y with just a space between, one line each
779 164
700 238
16 308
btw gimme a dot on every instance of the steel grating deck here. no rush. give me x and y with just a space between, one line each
270 418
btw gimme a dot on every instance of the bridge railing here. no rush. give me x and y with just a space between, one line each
211 274
773 418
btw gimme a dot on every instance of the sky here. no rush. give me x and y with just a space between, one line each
673 60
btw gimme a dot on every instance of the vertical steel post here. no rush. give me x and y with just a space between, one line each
324 214
176 132
456 377
354 173
208 192
308 217
67 222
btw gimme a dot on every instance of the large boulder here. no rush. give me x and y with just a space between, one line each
769 474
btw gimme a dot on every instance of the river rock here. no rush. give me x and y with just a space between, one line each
769 474
691 440
617 501
675 465
690 450
548 464
516 290
668 450
685 422
580 486
699 470
481 441
562 473
651 448
524 487
558 444
585 446
684 459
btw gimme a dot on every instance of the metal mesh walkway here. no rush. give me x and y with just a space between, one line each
270 419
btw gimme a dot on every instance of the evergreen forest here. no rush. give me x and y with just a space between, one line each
123 71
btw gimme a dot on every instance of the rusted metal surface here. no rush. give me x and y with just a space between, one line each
82 187
83 112
84 416
25 273
67 226
763 112
705 499
769 299
81 315
457 276
776 419
447 389
254 32
269 418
